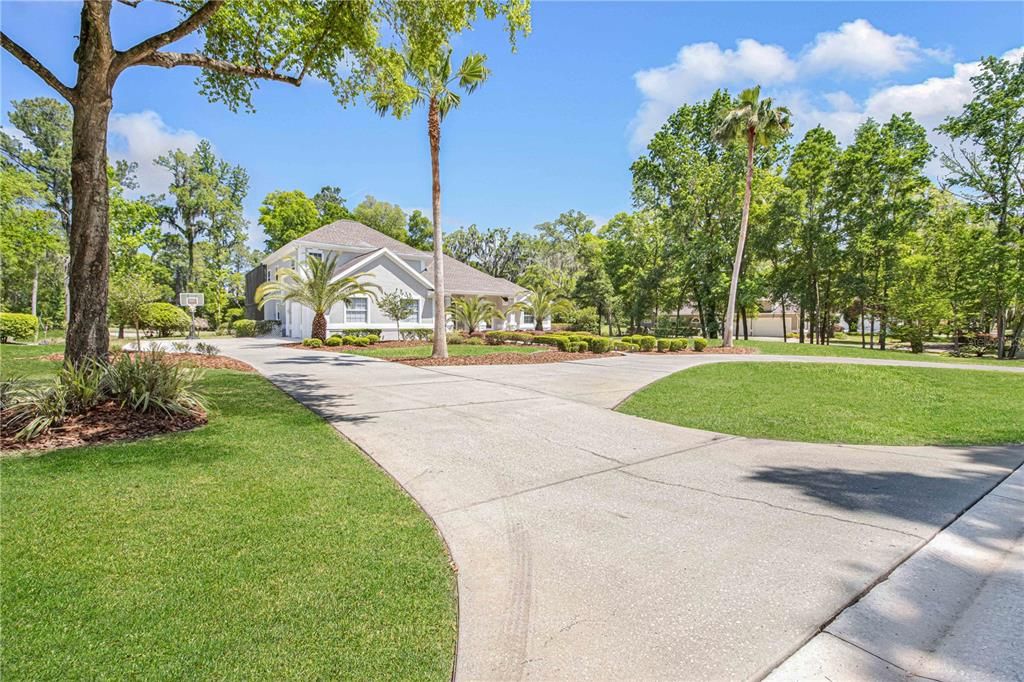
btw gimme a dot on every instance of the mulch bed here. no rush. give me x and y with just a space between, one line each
188 359
539 358
105 423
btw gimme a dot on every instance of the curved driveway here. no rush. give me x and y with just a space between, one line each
596 545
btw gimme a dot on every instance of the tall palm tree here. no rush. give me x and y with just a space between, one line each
473 311
542 304
313 285
757 123
435 84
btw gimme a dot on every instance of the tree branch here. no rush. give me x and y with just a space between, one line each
191 24
31 62
169 60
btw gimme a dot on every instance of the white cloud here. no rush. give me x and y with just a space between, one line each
143 136
856 48
859 49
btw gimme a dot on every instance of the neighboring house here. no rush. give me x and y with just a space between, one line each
393 265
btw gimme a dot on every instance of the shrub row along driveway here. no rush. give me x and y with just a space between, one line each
593 544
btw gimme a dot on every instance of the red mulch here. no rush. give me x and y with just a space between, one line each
189 359
105 423
538 358
718 350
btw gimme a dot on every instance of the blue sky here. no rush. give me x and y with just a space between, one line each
560 121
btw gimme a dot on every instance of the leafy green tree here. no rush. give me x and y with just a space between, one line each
433 81
499 252
207 195
383 217
331 205
285 216
314 285
990 167
756 122
130 296
420 231
473 311
349 45
395 306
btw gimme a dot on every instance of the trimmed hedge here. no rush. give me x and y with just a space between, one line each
664 345
474 341
244 327
333 341
17 326
599 345
677 345
496 338
348 339
164 318
699 343
312 343
579 346
364 332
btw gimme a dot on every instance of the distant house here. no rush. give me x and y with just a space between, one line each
393 265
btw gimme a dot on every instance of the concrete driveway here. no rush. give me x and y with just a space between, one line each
595 545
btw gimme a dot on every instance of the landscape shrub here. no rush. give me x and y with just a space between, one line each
564 344
164 319
474 341
181 346
677 345
584 320
75 389
333 341
699 343
143 382
223 329
360 341
545 339
372 338
455 338
244 327
265 326
348 339
365 332
647 343
580 346
207 349
312 343
664 345
494 338
232 314
599 344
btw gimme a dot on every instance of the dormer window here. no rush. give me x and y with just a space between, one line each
319 255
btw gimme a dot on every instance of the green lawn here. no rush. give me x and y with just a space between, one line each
831 403
262 546
851 350
454 350
26 360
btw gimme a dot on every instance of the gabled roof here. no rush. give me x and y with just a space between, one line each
355 264
459 278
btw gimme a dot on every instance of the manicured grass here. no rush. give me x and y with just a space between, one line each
26 360
454 350
832 403
851 350
262 546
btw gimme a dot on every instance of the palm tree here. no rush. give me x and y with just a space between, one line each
435 84
542 304
473 311
314 285
757 123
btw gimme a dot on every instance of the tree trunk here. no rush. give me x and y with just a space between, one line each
35 290
743 315
87 335
730 311
320 326
440 319
783 306
801 323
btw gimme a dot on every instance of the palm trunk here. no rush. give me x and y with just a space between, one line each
730 311
87 336
440 326
320 326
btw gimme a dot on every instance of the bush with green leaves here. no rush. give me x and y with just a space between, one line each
20 326
580 346
312 342
265 326
699 343
232 314
223 329
677 345
244 327
545 339
207 349
474 341
333 341
144 382
164 319
599 344
181 346
584 320
372 338
365 332
360 341
455 338
664 345
416 334
626 346
348 340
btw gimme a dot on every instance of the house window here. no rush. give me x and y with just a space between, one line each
316 254
412 311
357 309
528 318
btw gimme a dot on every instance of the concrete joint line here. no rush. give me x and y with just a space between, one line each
767 504
909 673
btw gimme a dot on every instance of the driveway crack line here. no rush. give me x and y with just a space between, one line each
910 673
767 504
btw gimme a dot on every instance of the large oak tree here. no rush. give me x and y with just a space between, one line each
352 45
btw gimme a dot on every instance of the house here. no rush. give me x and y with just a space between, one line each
392 265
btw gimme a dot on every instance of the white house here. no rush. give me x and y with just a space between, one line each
392 265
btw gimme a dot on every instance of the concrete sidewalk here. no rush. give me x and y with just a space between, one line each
953 611
596 545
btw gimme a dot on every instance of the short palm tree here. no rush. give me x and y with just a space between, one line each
314 285
542 304
757 123
435 84
473 311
